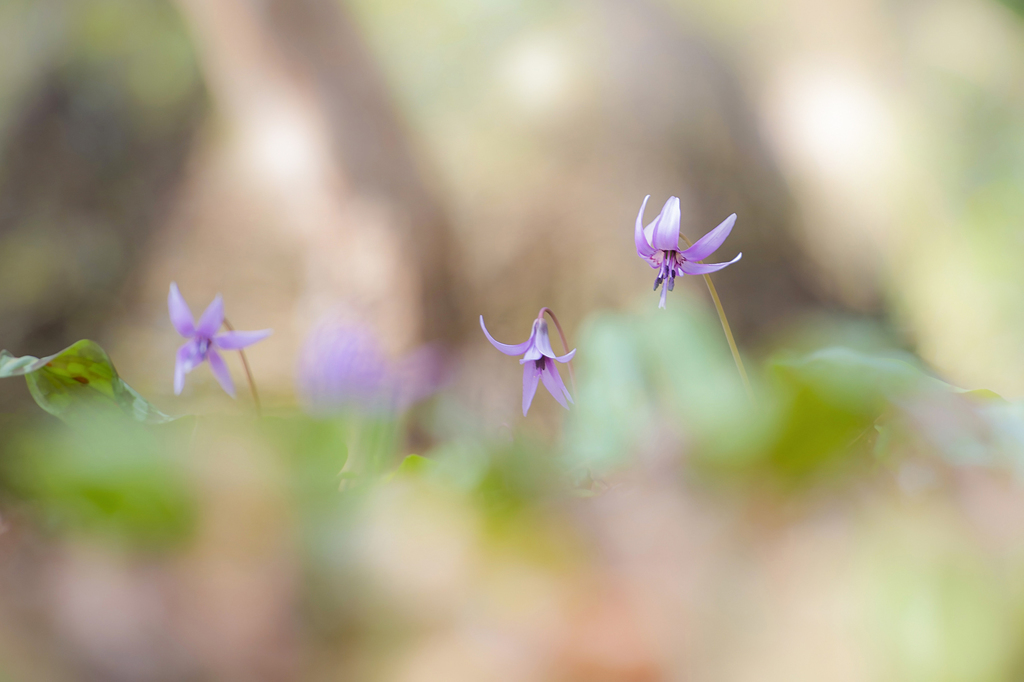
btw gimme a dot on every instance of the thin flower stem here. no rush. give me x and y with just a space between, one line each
248 374
565 344
728 331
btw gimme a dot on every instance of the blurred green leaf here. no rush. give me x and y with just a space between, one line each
314 452
648 380
824 410
414 466
1015 5
108 477
650 384
78 382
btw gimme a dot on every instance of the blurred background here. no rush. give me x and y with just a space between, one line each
404 167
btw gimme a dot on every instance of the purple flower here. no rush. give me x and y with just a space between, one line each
204 341
342 366
658 244
538 362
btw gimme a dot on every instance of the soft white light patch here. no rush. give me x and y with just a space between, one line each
836 139
832 120
282 145
536 73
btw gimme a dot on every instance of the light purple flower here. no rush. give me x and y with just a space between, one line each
538 363
658 244
204 341
343 367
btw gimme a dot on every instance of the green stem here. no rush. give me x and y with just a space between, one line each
248 374
728 331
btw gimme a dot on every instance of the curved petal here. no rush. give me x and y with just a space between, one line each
220 371
542 340
181 315
193 356
643 247
505 348
239 340
706 268
530 376
666 230
567 357
709 243
212 318
186 359
553 382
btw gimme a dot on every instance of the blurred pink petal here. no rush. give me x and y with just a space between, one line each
643 247
666 228
211 319
531 374
709 243
220 371
181 315
505 348
239 340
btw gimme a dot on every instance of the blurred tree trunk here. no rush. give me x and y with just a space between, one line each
306 55
89 166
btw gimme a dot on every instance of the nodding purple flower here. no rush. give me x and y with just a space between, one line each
658 244
204 341
538 362
343 367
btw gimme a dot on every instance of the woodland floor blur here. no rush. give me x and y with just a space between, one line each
408 166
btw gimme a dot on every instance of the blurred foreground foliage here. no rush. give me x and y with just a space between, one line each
660 385
662 439
105 477
653 388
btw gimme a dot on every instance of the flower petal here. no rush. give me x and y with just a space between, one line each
643 247
239 340
505 348
542 344
530 376
212 318
553 382
709 243
181 315
541 339
220 371
666 229
706 268
184 361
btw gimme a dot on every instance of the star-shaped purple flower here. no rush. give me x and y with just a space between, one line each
538 362
204 341
658 244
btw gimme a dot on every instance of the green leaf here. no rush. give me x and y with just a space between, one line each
77 382
109 477
414 466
